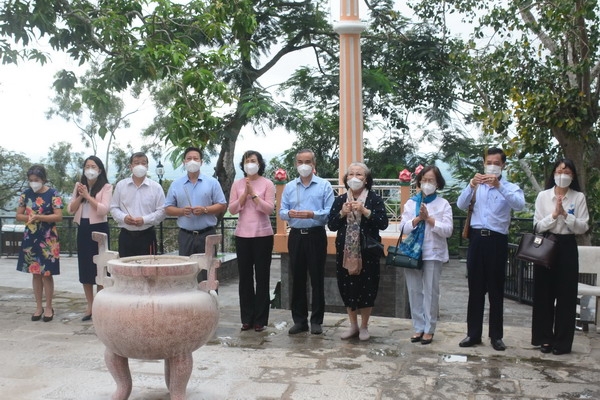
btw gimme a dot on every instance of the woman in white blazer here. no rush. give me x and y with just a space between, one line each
424 284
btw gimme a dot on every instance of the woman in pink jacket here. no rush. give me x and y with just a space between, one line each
253 197
90 203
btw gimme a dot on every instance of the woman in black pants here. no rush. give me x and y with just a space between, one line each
562 210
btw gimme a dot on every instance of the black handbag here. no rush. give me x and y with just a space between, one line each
537 248
370 245
395 257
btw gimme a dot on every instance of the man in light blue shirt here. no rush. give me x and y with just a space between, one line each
195 200
495 198
305 204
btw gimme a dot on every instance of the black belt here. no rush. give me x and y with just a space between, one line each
306 231
486 232
138 233
198 232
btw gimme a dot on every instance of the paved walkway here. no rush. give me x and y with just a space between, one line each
63 359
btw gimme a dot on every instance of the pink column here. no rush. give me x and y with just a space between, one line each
351 117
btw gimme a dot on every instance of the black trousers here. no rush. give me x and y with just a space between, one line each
486 263
254 265
137 243
308 253
555 298
194 243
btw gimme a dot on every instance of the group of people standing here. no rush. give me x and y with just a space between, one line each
308 205
137 204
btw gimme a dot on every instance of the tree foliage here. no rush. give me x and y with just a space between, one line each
204 63
13 177
531 70
63 166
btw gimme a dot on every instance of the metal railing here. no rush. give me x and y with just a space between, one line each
518 274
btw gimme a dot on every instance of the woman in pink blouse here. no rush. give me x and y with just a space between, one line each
253 197
90 203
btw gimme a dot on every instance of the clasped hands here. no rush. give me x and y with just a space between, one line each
82 190
423 216
188 211
304 214
559 209
129 220
348 207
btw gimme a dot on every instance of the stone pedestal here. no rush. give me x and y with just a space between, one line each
392 299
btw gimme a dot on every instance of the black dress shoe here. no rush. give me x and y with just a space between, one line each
87 318
427 341
245 327
316 329
469 342
498 344
546 348
37 317
298 328
48 319
416 338
558 352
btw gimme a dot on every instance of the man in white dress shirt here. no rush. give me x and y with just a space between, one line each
138 205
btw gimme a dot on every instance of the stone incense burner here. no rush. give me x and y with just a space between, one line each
153 308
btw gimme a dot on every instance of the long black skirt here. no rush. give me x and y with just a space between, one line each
87 249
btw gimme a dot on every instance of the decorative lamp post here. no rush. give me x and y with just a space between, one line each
160 172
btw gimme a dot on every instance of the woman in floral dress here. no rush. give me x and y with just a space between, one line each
40 208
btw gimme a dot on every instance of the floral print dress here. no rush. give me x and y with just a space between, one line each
40 250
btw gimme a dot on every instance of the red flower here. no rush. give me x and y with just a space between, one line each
405 175
280 175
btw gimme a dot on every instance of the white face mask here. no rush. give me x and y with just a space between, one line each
355 184
251 168
305 170
140 171
563 180
493 170
192 166
91 174
35 186
428 188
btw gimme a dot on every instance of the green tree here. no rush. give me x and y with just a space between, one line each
531 71
205 61
13 179
406 73
75 103
63 166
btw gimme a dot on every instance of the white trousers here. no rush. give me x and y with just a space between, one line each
424 295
